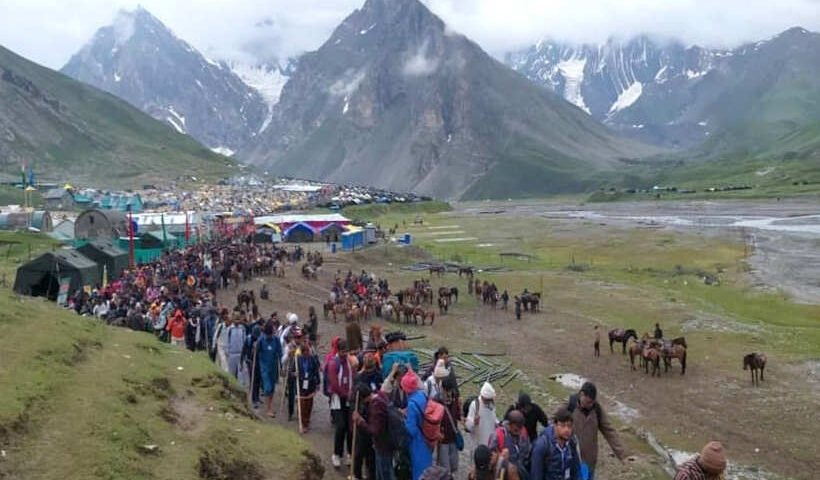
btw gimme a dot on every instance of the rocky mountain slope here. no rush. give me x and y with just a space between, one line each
396 99
140 60
68 130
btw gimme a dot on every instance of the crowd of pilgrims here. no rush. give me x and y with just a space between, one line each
407 423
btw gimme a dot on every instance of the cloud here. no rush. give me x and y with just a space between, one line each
418 65
50 31
347 85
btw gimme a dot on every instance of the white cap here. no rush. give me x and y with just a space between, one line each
487 391
292 318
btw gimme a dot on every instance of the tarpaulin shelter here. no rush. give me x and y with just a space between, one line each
105 253
41 276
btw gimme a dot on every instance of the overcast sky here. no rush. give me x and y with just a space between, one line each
50 31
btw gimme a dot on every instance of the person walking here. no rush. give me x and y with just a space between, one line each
340 384
511 442
292 349
447 455
432 386
376 425
268 355
517 301
597 344
709 465
312 326
176 327
589 418
555 451
505 299
308 380
421 455
481 417
365 455
533 415
235 343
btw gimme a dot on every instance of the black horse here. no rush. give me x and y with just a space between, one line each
755 362
621 335
453 295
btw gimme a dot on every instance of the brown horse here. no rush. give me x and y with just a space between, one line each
755 362
621 335
651 355
635 350
671 352
439 270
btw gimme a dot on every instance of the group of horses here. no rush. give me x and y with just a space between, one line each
650 351
407 304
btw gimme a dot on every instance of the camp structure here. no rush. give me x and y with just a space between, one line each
96 224
267 233
41 277
353 239
39 220
307 228
105 253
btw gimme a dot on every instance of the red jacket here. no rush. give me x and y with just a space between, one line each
340 377
177 326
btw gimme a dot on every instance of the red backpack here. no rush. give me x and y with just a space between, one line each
432 422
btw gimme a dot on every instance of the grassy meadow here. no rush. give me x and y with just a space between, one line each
82 400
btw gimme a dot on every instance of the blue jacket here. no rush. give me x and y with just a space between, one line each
421 456
548 462
268 353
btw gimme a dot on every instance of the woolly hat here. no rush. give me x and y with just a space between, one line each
440 370
292 318
713 458
487 391
409 382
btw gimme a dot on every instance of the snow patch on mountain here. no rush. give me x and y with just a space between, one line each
179 117
174 124
573 72
366 30
123 26
266 79
223 151
627 97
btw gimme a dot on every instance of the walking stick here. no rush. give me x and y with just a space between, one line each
253 373
353 446
298 394
284 390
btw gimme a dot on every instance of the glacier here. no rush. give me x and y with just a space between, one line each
627 97
573 73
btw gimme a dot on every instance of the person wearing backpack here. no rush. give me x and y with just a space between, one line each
452 442
533 414
377 426
421 453
555 452
589 418
340 384
485 469
364 454
512 438
481 418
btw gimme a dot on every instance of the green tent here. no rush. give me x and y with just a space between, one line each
41 276
105 253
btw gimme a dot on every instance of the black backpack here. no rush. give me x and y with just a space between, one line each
465 407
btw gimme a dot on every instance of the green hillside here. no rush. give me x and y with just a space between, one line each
70 131
82 400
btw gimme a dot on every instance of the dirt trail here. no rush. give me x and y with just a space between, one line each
765 427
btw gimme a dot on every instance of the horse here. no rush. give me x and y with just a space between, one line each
442 305
530 301
671 352
453 294
755 362
327 307
444 292
635 350
439 270
465 271
680 341
652 355
621 335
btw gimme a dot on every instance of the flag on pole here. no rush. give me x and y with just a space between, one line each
187 228
30 176
164 235
23 173
105 276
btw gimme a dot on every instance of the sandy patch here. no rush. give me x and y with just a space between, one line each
569 380
457 239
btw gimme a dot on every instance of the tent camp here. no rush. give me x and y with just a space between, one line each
95 223
41 276
104 252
